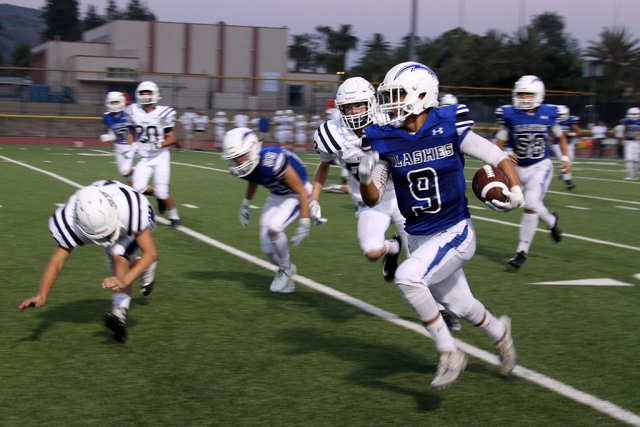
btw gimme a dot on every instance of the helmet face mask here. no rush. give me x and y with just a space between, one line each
533 90
147 99
241 150
97 216
356 100
408 89
115 102
633 113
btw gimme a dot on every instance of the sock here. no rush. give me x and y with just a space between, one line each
173 213
527 231
441 335
281 244
493 327
120 304
545 215
393 247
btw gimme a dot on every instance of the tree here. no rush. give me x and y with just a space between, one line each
21 55
112 12
61 20
138 11
337 44
92 19
376 60
302 52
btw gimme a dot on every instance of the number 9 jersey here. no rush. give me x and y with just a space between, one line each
527 134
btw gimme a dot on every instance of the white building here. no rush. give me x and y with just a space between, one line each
204 66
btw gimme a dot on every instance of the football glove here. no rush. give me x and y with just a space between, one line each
514 200
302 232
315 213
108 137
245 214
367 163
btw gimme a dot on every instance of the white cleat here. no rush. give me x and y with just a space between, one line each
449 369
506 349
283 281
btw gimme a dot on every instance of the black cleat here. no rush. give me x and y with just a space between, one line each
116 325
162 206
390 262
452 322
517 261
147 289
556 233
175 223
570 185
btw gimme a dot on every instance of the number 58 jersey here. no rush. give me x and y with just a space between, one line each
529 133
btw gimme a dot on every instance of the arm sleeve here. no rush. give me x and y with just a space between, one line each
380 176
557 130
503 133
482 149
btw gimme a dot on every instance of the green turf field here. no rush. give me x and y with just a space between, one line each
213 347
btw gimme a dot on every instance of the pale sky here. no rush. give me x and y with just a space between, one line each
584 19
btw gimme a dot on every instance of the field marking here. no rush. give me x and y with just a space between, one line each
591 401
628 207
187 205
580 208
636 276
585 282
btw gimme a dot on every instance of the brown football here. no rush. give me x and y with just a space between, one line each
488 183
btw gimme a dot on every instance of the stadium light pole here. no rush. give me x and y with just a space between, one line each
412 35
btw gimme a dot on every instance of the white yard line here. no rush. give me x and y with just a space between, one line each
591 401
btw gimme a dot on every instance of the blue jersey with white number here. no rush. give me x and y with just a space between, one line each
427 168
570 121
631 129
274 162
529 133
118 124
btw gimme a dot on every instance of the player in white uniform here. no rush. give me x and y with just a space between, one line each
423 147
289 120
118 127
525 128
120 220
186 120
153 126
341 140
220 125
300 126
284 175
279 129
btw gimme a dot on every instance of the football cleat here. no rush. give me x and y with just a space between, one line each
390 262
506 349
449 369
452 322
556 233
162 206
517 261
115 322
283 282
175 223
570 185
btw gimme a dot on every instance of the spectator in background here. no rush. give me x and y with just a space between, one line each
618 133
241 120
263 126
300 126
200 124
255 123
186 120
599 133
220 123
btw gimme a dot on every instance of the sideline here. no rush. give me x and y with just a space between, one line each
586 399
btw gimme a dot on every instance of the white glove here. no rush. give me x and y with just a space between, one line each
302 232
367 163
108 137
565 164
245 214
156 145
315 213
514 200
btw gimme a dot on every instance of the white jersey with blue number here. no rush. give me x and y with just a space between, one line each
134 211
427 168
151 127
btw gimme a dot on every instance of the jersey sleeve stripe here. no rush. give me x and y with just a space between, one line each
166 112
131 210
66 231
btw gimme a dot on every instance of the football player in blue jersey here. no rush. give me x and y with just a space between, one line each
121 220
284 175
632 142
118 126
571 128
525 128
423 147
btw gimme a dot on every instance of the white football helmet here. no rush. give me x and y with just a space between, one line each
279 113
300 118
633 113
352 91
241 144
148 99
316 117
288 112
448 99
414 82
115 102
528 84
221 114
563 112
97 216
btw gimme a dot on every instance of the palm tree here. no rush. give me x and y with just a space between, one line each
376 59
338 43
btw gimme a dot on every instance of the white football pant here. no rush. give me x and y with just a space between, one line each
158 164
125 154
